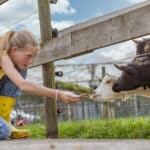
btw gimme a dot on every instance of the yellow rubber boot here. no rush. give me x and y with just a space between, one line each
6 106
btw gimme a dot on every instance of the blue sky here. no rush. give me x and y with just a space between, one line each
92 8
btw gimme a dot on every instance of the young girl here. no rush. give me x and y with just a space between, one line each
17 50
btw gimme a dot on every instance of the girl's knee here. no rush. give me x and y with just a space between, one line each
4 130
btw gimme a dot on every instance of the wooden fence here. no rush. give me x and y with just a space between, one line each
83 38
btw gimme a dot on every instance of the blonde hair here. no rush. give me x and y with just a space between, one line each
19 39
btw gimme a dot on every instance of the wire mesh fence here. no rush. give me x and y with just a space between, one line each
32 111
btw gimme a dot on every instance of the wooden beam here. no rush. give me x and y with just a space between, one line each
48 70
100 32
3 1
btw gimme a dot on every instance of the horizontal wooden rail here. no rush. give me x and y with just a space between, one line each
100 32
3 1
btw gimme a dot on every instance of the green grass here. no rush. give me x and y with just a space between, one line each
132 128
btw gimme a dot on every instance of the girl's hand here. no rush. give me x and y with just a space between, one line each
68 97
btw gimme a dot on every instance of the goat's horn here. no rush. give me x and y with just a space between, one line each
136 41
127 69
117 66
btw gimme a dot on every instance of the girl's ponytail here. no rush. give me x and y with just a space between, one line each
5 40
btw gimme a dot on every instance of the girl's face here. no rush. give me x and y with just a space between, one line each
23 57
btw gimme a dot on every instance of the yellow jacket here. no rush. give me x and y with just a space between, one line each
1 73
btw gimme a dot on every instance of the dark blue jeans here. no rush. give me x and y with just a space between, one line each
4 129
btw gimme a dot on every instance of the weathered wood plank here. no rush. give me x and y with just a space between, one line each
48 70
3 1
103 31
75 145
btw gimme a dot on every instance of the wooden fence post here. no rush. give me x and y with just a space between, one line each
105 104
48 70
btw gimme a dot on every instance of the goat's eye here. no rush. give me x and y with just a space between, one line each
109 81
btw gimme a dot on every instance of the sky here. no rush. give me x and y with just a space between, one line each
19 14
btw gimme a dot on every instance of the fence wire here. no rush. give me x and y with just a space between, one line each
33 112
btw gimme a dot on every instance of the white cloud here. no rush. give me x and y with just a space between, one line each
62 7
18 15
31 24
120 51
15 13
15 9
136 1
3 29
62 24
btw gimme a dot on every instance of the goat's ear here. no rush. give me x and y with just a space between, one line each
145 39
99 79
128 69
111 76
108 74
117 66
122 68
136 41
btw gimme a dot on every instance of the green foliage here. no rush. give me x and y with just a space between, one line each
107 129
131 128
72 87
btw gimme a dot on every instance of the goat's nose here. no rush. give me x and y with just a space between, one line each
115 88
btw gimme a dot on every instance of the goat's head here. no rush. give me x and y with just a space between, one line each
142 46
104 90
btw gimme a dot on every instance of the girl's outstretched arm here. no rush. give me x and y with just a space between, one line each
31 87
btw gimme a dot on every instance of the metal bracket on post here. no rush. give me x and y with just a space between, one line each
54 30
53 1
59 73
